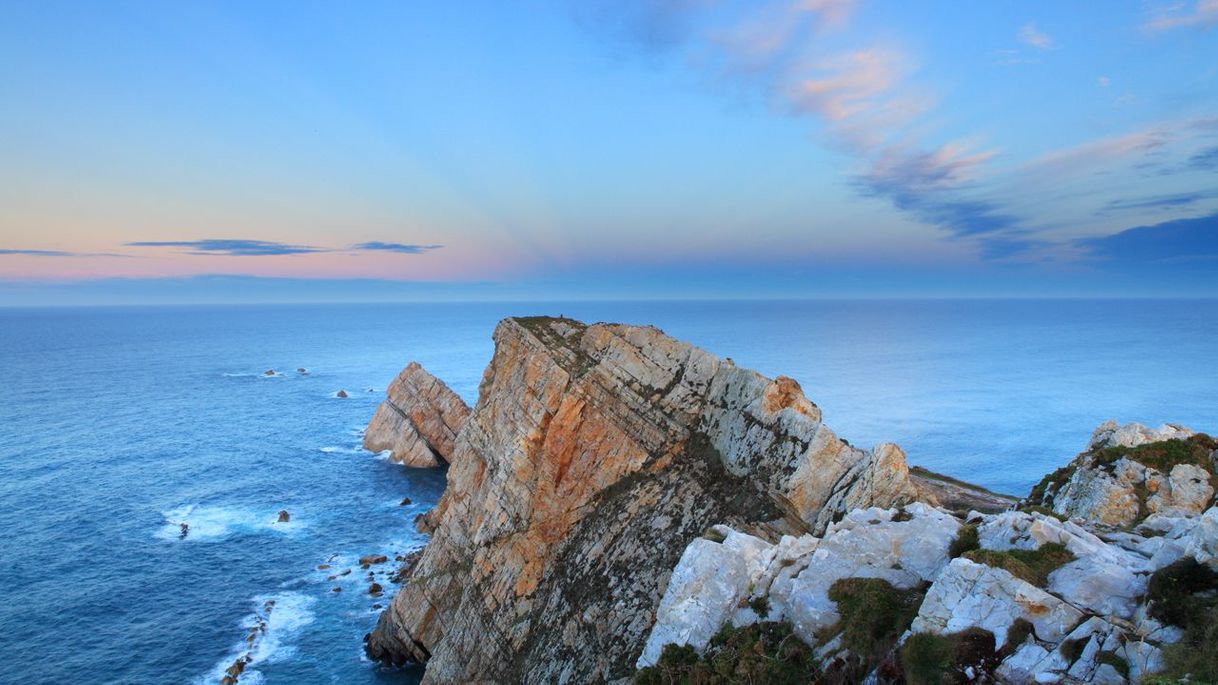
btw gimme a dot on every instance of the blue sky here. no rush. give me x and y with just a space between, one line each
324 151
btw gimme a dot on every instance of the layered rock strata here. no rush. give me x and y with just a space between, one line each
418 421
594 455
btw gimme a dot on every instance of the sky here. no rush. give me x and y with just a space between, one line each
382 151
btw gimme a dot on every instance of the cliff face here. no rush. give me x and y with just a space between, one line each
595 454
418 421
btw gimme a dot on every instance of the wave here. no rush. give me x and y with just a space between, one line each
214 523
267 633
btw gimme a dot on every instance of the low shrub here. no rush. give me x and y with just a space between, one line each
966 541
1032 565
760 653
1171 591
945 659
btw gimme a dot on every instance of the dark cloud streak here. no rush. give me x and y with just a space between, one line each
231 248
377 246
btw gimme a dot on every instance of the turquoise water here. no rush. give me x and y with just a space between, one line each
117 424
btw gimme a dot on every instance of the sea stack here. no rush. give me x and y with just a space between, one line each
418 421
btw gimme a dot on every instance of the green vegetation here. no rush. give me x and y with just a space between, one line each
1037 496
1166 454
1032 565
1172 592
1017 634
1184 594
942 659
1114 660
873 615
966 541
760 653
760 606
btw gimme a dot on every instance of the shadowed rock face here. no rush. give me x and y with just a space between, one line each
418 421
595 454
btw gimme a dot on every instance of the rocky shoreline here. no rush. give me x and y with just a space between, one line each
622 506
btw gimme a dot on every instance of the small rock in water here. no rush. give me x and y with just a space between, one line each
269 372
366 561
336 589
284 516
375 589
341 393
405 501
185 529
322 567
301 369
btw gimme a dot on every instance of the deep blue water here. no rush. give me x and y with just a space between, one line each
117 423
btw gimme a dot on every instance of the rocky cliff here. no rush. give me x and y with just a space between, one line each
594 455
1014 597
418 421
623 506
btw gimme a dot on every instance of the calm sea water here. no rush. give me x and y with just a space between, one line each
117 424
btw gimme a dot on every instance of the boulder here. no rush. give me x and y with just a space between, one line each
971 595
341 394
283 516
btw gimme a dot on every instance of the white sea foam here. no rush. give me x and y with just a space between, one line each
215 523
266 635
334 449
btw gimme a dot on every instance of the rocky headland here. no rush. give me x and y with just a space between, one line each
622 506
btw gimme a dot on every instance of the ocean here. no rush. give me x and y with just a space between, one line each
118 424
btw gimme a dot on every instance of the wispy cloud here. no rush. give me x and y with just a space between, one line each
1103 81
1165 201
1206 160
231 248
56 253
1033 37
377 246
1199 14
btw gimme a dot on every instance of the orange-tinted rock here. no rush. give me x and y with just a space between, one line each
593 457
418 421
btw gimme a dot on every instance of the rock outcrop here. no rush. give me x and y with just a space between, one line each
594 456
1057 600
1130 472
418 421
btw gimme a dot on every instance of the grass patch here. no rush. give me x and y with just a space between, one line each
1183 594
1017 634
760 606
1114 660
1032 565
1172 592
942 659
759 653
1166 454
1060 476
873 615
966 541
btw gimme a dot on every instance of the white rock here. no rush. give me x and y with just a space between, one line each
709 581
865 544
968 595
1110 434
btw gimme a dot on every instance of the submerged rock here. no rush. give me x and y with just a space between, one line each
418 421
